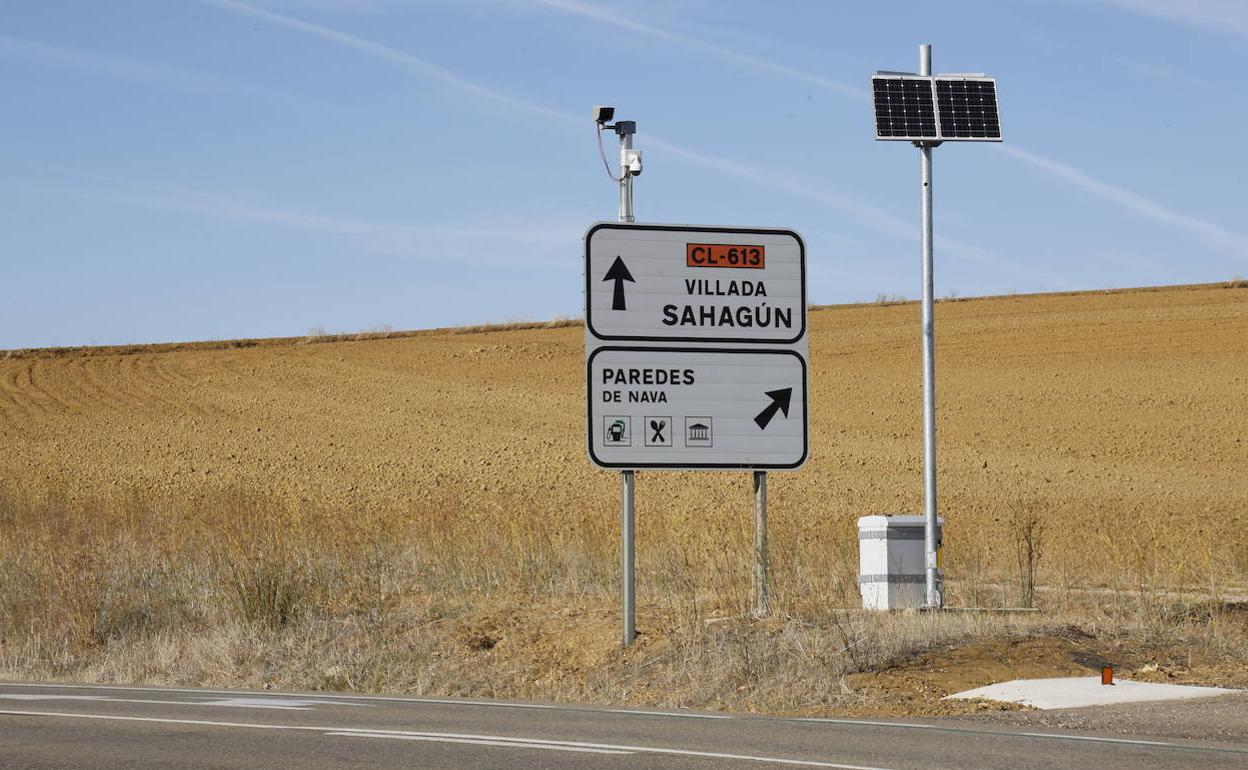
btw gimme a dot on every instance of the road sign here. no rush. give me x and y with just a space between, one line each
696 407
685 284
695 347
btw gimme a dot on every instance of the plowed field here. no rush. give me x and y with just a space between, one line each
1121 416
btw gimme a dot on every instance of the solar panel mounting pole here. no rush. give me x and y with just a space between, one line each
932 593
928 110
628 479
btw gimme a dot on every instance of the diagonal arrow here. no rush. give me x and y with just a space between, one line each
618 273
779 403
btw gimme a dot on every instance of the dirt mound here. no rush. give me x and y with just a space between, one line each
917 685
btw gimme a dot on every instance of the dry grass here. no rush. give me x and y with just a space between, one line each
243 591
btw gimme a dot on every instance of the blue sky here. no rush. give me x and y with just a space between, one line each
209 169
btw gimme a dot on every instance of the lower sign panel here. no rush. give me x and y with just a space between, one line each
696 408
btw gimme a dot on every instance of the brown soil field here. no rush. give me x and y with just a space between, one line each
163 499
1123 416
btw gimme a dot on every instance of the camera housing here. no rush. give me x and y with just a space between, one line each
603 114
633 161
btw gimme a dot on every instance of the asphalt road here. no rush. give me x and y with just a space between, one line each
79 726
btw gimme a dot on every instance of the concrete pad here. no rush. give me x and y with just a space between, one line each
1076 691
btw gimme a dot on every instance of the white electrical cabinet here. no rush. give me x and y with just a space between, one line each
890 561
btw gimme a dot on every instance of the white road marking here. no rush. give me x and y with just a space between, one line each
277 704
161 720
620 747
326 696
108 699
289 704
34 696
1007 734
830 720
331 699
679 714
1098 738
362 732
480 742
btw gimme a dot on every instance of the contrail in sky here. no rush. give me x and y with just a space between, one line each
125 67
869 216
608 17
1220 15
817 190
1211 12
1212 235
393 55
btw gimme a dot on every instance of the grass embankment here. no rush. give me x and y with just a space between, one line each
245 593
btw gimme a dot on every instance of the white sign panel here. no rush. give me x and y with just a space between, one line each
686 284
678 407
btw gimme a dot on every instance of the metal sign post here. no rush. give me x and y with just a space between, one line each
628 555
932 594
927 110
760 544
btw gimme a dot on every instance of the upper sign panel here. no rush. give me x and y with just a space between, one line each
674 283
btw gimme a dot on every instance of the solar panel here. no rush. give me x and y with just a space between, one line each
939 109
968 108
904 109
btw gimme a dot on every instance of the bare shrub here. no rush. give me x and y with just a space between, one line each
267 588
1027 529
260 560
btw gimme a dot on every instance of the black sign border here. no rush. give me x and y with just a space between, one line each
589 413
589 312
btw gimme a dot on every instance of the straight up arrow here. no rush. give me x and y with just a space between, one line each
618 273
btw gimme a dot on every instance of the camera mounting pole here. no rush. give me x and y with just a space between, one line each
628 158
630 166
628 479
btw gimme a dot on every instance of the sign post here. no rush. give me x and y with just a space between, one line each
761 565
